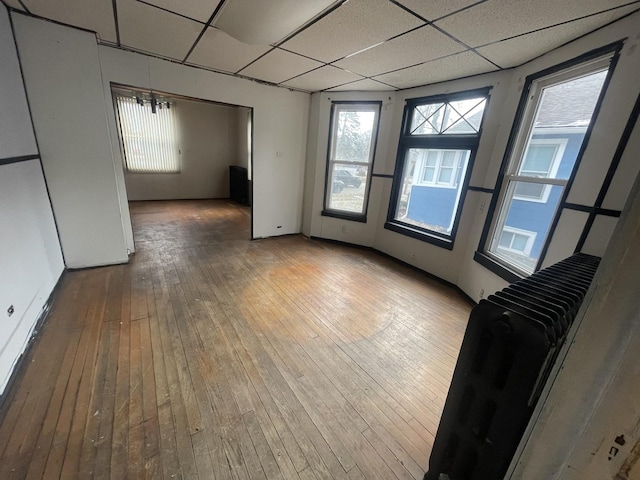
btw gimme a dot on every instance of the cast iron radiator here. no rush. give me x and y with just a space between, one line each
508 349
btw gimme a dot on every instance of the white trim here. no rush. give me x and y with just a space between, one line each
561 145
421 165
531 238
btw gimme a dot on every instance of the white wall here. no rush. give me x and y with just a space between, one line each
208 139
30 253
62 79
279 125
458 266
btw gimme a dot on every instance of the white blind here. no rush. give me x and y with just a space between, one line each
150 139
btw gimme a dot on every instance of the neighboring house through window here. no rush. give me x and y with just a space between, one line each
438 142
557 111
351 150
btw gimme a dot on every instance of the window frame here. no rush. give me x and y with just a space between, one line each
561 146
510 272
439 141
355 105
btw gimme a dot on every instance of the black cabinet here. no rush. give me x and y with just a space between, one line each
238 184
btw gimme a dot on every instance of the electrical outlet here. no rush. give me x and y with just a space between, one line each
344 229
482 293
481 207
10 310
413 256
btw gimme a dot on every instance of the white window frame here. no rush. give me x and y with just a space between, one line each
561 145
516 157
421 166
531 238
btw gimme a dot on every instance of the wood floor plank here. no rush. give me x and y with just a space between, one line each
212 356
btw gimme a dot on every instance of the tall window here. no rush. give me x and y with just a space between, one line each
354 128
557 113
149 136
437 144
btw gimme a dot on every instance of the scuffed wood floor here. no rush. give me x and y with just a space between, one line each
212 356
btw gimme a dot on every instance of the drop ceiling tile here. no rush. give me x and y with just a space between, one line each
499 19
321 79
14 4
366 85
278 66
94 15
434 9
355 25
401 52
152 30
197 9
218 50
518 50
456 66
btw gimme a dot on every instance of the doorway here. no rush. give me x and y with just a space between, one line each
182 148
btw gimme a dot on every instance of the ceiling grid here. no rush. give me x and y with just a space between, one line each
348 45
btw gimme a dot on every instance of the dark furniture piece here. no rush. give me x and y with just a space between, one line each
238 184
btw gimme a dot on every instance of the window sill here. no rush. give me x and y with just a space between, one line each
420 235
353 217
492 265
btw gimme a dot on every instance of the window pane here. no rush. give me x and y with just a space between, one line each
427 119
505 239
538 160
426 205
464 116
564 113
530 190
429 174
347 191
445 175
354 130
522 214
519 242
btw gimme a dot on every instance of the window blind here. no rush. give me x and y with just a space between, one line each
150 139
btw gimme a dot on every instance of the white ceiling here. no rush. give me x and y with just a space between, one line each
352 45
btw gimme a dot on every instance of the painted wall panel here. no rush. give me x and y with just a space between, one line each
16 130
30 253
63 82
626 172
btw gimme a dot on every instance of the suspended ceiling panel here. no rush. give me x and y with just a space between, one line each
278 66
94 15
362 85
401 52
518 50
456 66
218 50
321 79
267 22
499 19
355 25
14 4
197 9
434 9
153 30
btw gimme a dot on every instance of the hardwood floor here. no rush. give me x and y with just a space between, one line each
212 356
